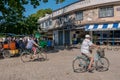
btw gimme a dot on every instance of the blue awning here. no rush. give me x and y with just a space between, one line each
98 27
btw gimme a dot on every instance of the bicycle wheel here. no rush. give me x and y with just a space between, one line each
102 64
42 56
79 65
6 54
26 56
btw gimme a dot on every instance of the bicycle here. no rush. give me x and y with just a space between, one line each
101 63
28 55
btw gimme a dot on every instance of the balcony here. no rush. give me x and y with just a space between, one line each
65 24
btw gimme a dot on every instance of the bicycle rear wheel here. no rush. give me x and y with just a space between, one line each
79 65
102 64
6 54
25 56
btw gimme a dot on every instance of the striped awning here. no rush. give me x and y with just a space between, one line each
98 27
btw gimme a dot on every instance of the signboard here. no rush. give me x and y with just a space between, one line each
37 35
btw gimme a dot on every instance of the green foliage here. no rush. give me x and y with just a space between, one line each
24 25
12 19
17 6
31 21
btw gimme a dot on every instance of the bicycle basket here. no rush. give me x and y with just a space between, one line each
101 52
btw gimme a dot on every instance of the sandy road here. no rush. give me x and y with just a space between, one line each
57 67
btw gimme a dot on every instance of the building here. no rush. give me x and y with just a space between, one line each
99 18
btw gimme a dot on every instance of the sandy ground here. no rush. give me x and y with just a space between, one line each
57 67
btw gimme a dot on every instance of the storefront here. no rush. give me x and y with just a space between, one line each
61 37
105 33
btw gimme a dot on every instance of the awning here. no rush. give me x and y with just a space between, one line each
80 27
98 27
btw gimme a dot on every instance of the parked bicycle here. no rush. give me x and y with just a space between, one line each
101 63
28 55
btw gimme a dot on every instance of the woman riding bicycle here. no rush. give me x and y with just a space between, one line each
85 49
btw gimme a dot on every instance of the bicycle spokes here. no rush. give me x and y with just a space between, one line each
79 65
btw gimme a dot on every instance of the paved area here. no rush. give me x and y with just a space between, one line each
57 67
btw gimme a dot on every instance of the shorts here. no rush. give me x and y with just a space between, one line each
34 49
87 53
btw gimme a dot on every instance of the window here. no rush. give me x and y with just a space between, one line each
42 25
66 18
59 20
46 23
50 22
79 15
106 12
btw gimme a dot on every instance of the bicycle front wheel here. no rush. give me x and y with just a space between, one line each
25 56
79 65
42 56
102 64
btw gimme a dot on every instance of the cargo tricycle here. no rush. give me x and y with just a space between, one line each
8 50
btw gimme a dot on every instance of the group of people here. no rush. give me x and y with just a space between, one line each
20 43
32 43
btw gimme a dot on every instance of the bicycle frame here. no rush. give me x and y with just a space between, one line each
96 58
27 55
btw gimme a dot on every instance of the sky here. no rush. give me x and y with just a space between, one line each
50 4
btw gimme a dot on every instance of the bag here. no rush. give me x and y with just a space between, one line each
12 45
5 46
101 52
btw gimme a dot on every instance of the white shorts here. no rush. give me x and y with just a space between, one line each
87 53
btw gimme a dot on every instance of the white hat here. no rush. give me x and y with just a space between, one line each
20 38
87 36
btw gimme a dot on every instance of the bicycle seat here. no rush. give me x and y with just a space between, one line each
85 56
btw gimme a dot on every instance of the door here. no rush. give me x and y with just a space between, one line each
60 37
67 37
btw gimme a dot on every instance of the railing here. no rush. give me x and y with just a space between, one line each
112 41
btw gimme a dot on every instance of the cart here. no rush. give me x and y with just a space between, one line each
9 49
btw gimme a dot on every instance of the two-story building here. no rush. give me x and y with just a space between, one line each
69 24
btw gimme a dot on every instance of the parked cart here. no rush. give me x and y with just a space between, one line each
9 49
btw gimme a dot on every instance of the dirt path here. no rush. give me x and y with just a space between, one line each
58 67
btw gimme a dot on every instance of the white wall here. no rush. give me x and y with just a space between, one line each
55 36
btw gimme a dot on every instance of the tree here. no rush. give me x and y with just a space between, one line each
16 7
31 21
12 18
25 25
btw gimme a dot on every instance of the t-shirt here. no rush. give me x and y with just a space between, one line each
85 46
30 44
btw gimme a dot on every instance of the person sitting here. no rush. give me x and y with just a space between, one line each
30 45
85 49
